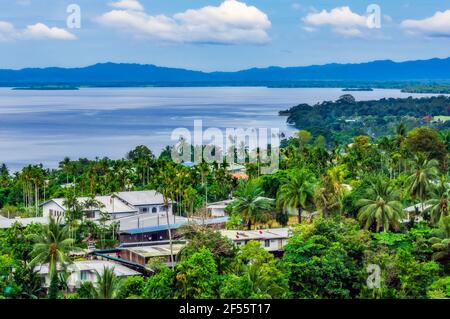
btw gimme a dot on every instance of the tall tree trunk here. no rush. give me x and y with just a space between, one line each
299 215
170 238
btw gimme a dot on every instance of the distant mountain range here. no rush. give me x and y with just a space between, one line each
138 74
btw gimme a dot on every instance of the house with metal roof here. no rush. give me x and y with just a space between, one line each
143 254
117 205
272 240
85 271
157 232
217 209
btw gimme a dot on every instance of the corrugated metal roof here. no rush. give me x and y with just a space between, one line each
174 226
111 205
256 234
7 223
92 265
140 198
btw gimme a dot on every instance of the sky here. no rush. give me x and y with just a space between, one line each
220 35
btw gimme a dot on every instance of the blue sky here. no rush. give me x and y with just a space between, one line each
220 35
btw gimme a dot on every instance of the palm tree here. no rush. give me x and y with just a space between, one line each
251 204
419 182
107 286
74 211
438 205
382 206
297 191
51 246
165 187
400 134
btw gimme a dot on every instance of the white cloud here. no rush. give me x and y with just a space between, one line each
297 6
437 25
7 31
387 18
128 5
309 29
38 31
24 2
341 19
229 23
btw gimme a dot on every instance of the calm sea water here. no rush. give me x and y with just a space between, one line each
45 126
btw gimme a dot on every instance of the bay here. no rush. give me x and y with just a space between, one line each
45 126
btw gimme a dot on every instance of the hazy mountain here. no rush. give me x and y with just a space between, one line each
113 73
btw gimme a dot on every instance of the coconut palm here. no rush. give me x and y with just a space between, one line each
400 134
438 204
297 191
419 182
381 207
52 246
165 187
251 205
107 286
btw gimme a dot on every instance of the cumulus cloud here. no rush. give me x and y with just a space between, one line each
128 5
342 20
38 31
229 23
6 31
437 25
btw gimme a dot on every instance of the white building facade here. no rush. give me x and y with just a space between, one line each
85 271
117 205
272 240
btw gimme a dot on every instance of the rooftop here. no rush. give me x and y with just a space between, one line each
221 204
263 234
93 265
147 220
142 197
156 250
180 221
110 204
417 207
7 223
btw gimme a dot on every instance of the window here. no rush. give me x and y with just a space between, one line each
154 210
84 275
145 209
267 243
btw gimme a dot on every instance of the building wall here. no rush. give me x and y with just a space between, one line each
269 244
52 209
75 280
217 212
146 237
154 209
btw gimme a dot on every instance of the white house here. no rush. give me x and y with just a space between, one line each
117 205
85 271
414 211
218 209
271 239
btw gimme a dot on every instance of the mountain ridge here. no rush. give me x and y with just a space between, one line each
435 69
